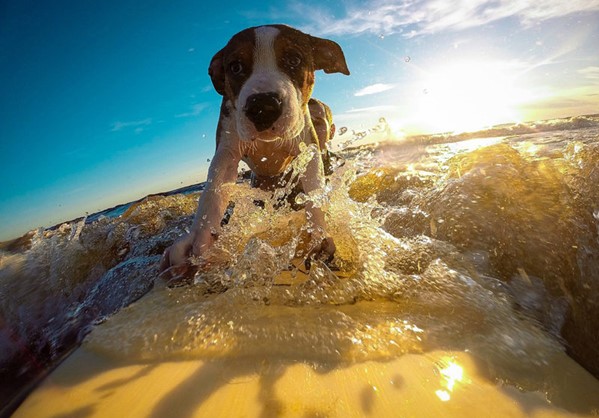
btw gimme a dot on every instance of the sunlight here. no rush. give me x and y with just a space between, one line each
451 374
469 96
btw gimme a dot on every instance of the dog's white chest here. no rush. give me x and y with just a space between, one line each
269 158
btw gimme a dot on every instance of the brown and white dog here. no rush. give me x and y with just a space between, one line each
266 76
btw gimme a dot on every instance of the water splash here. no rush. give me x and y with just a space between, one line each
399 292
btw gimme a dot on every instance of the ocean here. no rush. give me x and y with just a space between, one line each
484 242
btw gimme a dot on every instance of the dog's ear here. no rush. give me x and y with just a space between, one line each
216 71
328 56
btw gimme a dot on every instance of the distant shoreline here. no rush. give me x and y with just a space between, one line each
23 242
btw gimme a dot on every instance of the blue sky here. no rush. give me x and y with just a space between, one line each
103 102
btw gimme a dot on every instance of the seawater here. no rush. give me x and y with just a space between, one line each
481 244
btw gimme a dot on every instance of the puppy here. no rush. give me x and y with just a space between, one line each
266 77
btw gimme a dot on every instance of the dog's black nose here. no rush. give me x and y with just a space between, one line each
263 109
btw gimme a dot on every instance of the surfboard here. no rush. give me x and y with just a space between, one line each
435 384
106 378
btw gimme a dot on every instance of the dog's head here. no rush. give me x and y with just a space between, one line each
267 74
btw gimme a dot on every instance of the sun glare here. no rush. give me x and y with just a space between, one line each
468 96
451 374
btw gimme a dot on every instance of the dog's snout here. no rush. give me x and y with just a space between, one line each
263 109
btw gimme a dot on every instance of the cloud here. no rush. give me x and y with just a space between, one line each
590 73
373 109
196 109
137 124
418 17
366 114
373 89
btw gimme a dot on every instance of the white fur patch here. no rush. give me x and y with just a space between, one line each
267 77
264 52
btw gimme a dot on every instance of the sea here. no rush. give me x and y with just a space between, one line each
485 242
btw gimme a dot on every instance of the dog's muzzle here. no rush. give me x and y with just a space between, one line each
263 109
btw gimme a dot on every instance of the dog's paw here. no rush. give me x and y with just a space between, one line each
180 275
325 252
175 275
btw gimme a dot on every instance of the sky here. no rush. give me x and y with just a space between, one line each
104 102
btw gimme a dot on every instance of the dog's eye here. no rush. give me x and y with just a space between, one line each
236 67
294 60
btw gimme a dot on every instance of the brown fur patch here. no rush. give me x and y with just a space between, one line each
294 58
238 51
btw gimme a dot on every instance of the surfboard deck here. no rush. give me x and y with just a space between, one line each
99 382
435 384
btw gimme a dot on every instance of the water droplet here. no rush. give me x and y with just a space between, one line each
300 199
425 91
407 59
381 36
263 159
342 130
207 160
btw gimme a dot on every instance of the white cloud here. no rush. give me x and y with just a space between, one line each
590 73
373 89
417 17
365 115
137 124
196 109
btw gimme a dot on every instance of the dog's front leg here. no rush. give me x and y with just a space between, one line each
211 207
313 181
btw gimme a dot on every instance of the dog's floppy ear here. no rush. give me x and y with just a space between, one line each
216 70
328 56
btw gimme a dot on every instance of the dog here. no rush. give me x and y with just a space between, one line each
266 77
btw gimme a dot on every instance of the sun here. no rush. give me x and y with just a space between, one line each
468 96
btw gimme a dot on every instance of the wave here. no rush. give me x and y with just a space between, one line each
524 128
